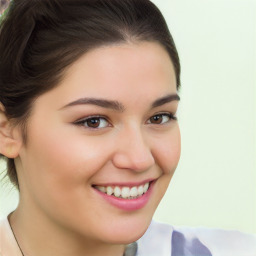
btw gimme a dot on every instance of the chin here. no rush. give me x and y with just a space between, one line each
126 237
128 231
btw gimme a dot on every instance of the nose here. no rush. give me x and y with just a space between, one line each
132 152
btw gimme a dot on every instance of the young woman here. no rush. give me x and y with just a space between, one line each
89 92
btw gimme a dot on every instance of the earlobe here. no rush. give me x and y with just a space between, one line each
9 143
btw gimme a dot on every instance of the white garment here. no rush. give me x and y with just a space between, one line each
164 240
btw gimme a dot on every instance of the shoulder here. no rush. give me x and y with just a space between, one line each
156 240
8 245
222 242
166 240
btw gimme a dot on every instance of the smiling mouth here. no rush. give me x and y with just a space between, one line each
124 192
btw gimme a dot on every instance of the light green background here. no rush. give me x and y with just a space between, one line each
215 183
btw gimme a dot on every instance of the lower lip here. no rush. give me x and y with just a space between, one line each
128 204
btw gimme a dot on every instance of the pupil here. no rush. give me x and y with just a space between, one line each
93 122
156 119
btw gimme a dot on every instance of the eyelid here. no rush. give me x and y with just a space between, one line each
90 117
81 121
169 114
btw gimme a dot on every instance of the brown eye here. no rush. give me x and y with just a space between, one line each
93 122
161 118
157 119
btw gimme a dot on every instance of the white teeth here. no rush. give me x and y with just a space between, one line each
145 188
140 190
134 192
124 192
102 189
109 190
117 191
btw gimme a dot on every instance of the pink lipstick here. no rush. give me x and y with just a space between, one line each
126 197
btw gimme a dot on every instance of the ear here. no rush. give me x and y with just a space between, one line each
10 139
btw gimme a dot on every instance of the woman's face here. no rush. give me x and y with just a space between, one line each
108 126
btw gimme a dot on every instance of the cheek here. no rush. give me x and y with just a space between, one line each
61 163
168 151
58 169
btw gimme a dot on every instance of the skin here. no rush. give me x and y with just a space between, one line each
63 159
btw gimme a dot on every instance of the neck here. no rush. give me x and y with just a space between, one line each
40 236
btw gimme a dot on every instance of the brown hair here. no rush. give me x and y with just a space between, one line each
39 39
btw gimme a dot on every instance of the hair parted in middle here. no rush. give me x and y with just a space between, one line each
40 39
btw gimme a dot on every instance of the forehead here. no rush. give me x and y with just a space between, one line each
119 71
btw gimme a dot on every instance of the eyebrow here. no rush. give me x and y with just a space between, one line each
115 105
165 99
112 104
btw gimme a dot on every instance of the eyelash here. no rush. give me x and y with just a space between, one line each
169 115
82 122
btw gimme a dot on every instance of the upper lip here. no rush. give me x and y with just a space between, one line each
127 184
